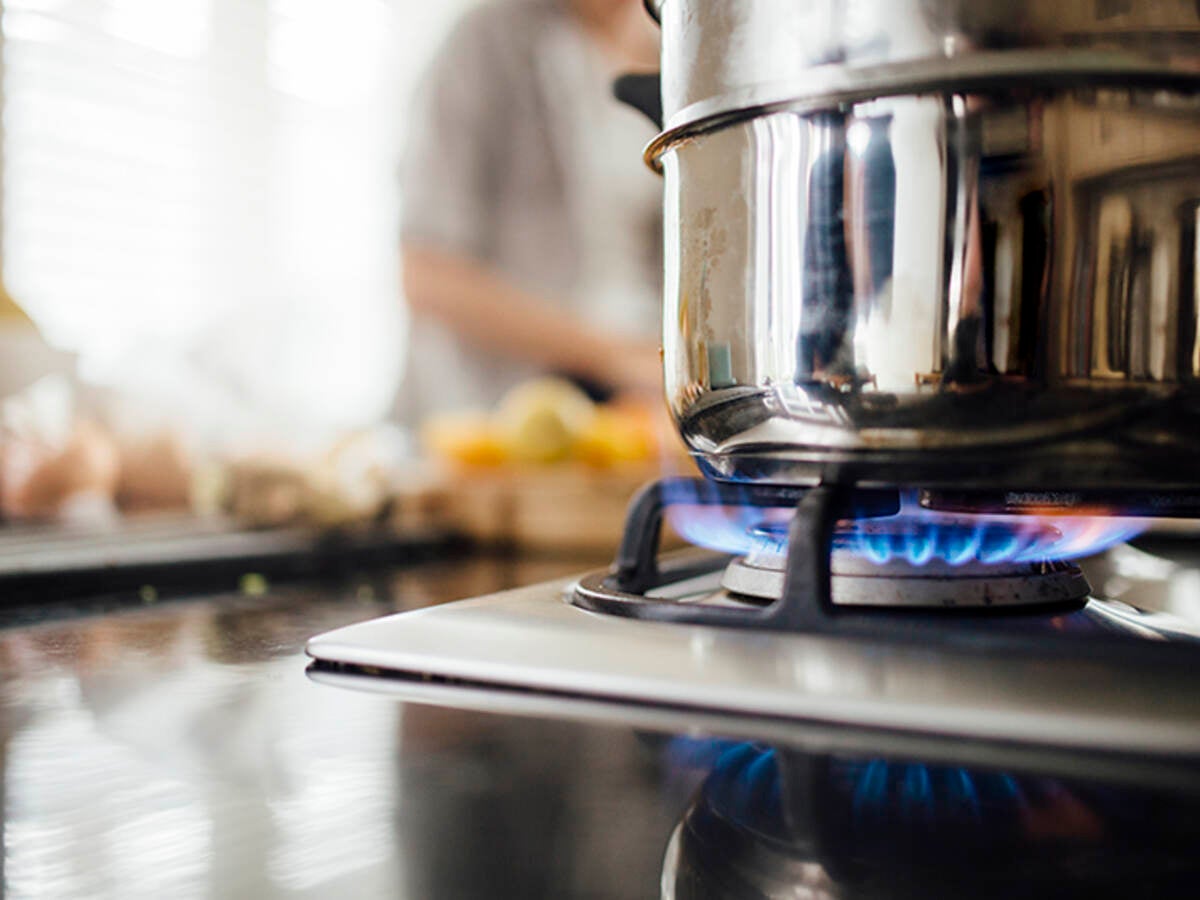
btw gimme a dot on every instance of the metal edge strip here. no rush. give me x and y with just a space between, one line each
1169 770
830 87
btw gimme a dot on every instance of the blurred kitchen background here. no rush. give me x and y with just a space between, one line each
202 307
200 199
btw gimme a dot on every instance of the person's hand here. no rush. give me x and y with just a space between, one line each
634 369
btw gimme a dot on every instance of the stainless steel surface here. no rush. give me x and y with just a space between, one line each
1160 571
813 737
723 56
531 639
958 254
918 285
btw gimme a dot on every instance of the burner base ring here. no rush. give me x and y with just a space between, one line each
1028 584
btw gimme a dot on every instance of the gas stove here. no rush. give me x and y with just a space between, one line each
856 615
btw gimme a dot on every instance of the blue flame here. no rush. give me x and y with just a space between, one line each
919 539
748 771
915 535
695 516
962 794
884 792
918 793
870 792
687 751
745 783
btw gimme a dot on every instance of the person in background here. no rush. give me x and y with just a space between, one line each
531 228
531 244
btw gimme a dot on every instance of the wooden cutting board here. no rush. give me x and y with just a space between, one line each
560 507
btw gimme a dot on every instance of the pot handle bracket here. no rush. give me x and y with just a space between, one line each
642 91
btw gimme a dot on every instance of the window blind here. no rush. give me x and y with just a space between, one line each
213 179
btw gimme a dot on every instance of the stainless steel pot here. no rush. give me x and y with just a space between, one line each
950 243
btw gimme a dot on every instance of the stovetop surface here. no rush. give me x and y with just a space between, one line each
1105 677
178 749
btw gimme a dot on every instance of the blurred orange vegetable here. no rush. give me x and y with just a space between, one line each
549 421
469 439
616 436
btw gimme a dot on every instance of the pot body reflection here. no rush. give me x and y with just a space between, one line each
909 288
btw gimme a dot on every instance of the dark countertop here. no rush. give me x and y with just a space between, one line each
177 748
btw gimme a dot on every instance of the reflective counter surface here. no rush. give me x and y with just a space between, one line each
177 748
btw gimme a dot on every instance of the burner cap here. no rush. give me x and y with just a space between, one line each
922 579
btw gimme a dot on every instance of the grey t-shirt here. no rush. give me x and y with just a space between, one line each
497 168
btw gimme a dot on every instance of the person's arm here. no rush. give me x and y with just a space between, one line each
449 196
486 309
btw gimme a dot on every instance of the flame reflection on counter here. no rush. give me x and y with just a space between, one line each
782 822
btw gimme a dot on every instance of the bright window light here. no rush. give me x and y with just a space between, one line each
199 196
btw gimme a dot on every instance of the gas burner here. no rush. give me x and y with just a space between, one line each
1070 673
927 569
850 561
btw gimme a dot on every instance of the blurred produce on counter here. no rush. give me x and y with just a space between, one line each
155 472
550 421
351 482
44 479
548 469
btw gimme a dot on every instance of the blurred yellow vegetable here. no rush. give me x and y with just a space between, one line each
541 420
548 421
